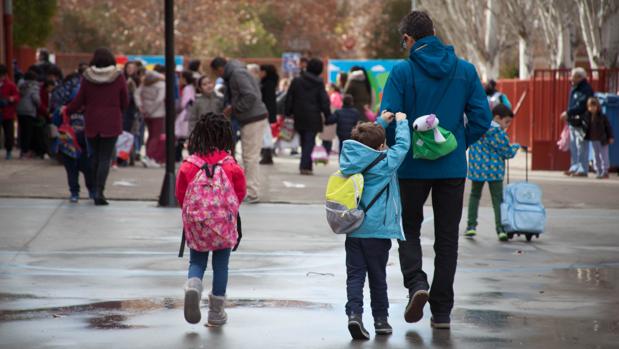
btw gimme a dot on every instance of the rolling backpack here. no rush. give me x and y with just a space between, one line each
210 210
344 213
522 210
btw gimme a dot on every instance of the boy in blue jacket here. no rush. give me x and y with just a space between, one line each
367 248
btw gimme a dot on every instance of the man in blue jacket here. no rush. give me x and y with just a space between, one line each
434 80
580 92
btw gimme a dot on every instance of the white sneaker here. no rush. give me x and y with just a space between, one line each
150 163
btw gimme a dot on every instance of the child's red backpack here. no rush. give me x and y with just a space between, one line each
67 140
210 208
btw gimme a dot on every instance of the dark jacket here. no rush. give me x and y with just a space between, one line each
268 87
8 90
357 88
433 64
598 129
307 101
103 96
244 93
577 103
346 119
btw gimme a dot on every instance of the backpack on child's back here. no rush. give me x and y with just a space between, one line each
343 195
210 209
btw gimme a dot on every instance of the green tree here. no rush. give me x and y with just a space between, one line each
384 38
33 21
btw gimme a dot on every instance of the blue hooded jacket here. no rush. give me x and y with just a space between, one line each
432 66
384 219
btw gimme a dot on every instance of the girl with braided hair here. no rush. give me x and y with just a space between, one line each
210 146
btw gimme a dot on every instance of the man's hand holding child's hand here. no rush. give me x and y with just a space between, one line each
387 116
400 116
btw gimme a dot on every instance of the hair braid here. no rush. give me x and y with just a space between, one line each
213 132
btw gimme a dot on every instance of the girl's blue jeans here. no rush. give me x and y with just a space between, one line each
197 266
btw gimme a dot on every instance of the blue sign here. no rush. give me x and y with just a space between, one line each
150 61
290 63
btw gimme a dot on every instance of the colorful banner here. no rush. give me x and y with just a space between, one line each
378 71
150 61
290 63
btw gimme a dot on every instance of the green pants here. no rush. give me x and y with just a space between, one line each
496 192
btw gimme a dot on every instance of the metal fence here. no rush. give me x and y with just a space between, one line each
539 102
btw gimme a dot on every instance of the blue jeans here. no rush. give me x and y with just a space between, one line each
367 256
74 167
579 151
600 159
197 266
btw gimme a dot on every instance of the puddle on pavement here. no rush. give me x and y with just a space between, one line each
114 314
110 322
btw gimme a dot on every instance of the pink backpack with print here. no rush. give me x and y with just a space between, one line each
210 208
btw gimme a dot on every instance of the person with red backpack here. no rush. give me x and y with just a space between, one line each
210 187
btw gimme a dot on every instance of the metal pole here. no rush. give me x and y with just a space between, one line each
8 36
413 5
167 197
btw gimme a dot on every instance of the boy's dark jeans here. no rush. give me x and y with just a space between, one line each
447 195
74 167
367 256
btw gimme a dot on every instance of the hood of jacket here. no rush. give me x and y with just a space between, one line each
357 75
356 156
104 75
28 85
433 57
231 67
152 77
312 78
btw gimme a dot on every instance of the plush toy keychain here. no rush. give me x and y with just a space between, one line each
427 123
430 141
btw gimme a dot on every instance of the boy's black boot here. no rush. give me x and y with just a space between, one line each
355 327
382 327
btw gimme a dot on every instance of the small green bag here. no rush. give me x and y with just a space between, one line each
425 147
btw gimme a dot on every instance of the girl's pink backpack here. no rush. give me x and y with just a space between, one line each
210 208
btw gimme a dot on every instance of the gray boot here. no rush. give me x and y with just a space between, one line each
193 293
216 314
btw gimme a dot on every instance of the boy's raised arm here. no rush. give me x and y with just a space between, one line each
398 151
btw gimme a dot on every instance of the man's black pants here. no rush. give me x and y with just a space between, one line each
447 196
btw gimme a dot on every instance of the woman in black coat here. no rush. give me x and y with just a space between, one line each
268 86
307 102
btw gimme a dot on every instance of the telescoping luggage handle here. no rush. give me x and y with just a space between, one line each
526 164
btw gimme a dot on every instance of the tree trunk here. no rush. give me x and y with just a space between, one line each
524 58
610 41
491 42
564 48
590 33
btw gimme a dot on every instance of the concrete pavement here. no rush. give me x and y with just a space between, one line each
79 276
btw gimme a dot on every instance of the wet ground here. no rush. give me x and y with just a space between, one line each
76 276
